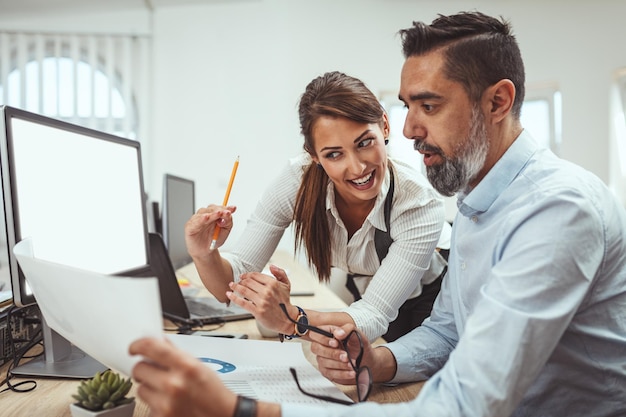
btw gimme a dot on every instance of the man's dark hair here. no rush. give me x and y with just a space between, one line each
480 50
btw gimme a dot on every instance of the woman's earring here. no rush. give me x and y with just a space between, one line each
386 141
319 166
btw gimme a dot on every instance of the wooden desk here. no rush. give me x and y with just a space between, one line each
52 397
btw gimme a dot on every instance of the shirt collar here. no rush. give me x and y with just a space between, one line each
508 167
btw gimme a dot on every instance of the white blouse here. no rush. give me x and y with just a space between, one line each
417 218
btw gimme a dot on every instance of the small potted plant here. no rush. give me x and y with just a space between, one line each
103 395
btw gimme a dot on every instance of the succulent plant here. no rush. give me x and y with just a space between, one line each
104 391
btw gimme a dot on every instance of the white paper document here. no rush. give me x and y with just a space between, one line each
100 314
260 368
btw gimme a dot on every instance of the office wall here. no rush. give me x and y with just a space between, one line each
227 76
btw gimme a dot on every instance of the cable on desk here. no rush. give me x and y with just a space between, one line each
18 355
188 328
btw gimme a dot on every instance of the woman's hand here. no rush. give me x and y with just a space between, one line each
172 383
262 294
200 227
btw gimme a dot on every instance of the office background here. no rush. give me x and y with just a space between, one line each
222 78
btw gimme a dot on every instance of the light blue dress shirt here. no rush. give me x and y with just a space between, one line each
531 318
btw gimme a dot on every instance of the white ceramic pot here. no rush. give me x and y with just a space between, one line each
124 410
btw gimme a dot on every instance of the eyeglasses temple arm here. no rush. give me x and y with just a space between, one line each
308 326
319 397
320 331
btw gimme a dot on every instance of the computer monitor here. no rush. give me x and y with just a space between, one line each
79 194
178 206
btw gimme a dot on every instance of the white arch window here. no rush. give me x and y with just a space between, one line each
90 80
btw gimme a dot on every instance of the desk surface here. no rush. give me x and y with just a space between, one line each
52 397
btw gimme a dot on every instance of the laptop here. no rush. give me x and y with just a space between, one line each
179 308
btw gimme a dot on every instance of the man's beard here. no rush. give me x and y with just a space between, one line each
455 173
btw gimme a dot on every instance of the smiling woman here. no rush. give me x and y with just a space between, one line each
353 208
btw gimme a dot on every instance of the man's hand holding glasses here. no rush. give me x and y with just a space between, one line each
351 355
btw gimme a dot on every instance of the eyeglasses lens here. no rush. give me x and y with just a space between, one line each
353 345
363 383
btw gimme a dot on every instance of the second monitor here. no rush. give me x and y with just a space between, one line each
178 205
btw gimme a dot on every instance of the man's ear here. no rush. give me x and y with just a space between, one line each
500 98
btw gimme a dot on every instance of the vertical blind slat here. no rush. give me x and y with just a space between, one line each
75 57
5 59
40 56
110 70
93 64
143 90
21 66
126 87
58 45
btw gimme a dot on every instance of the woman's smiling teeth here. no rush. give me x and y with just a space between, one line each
363 180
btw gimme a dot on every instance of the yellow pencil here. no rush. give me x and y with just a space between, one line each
230 187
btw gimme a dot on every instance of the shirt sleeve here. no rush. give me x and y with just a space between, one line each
272 215
422 352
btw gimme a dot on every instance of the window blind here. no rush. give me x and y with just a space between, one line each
98 81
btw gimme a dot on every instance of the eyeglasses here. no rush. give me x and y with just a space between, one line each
351 344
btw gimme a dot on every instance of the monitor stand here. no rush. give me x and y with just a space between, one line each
61 359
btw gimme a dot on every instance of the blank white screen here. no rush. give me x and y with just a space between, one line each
80 198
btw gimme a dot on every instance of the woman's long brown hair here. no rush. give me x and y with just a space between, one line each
337 95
